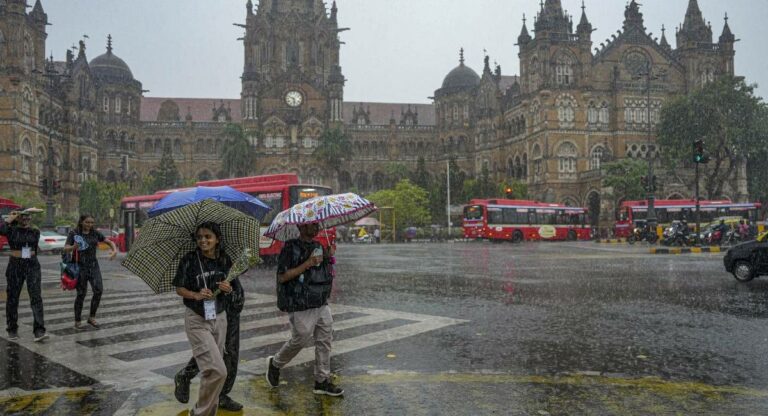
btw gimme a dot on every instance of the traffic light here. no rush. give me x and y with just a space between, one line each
698 152
508 192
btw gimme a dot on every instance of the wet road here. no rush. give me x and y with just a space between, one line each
460 328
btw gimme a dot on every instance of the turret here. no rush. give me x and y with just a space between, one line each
727 37
664 44
694 29
553 19
524 37
38 16
584 29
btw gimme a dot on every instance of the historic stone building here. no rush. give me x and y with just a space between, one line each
570 110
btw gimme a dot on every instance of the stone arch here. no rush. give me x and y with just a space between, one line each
158 146
597 156
41 161
567 154
675 195
177 146
123 140
570 201
361 181
26 155
345 181
148 147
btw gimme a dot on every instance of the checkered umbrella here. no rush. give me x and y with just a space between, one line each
328 211
165 239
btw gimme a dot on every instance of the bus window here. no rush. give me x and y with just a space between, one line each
511 216
274 200
495 216
474 212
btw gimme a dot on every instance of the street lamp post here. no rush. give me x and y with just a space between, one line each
49 187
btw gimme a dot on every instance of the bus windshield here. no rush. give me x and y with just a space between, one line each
274 200
473 212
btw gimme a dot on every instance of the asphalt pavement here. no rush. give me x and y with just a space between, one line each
464 328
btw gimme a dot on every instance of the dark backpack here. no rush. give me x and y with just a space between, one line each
313 291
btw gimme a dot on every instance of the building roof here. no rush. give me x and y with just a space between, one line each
460 77
200 108
381 113
507 81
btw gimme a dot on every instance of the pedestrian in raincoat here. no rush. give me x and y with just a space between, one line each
85 239
304 281
200 272
23 266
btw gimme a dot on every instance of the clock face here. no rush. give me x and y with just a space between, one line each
294 98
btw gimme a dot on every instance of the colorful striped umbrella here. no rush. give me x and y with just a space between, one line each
328 211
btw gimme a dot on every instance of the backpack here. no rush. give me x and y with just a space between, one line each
70 270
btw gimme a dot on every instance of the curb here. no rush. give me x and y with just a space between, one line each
688 250
611 241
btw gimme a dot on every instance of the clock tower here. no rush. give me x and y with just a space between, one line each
293 87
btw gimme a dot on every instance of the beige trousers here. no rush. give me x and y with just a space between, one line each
207 341
314 323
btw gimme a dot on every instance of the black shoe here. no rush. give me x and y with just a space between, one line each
13 335
39 336
182 387
226 403
273 373
328 389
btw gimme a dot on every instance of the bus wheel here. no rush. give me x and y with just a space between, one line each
571 235
517 237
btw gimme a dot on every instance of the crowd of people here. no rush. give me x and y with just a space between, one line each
212 303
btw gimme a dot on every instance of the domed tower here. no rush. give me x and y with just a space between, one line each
454 107
118 99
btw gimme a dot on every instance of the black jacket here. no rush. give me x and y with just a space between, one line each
310 292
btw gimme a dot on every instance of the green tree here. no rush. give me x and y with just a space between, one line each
726 115
420 177
237 154
334 147
27 199
396 172
624 176
98 198
756 171
519 189
410 203
167 174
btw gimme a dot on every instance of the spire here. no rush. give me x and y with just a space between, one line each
553 18
584 29
487 66
524 37
461 57
727 36
81 53
633 17
664 44
249 7
109 44
334 11
694 29
38 14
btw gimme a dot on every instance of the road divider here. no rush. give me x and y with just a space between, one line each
688 250
611 241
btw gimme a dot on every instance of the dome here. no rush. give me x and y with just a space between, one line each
461 77
109 66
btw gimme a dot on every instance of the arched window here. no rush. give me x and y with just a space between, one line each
118 104
596 158
177 146
148 146
604 115
592 113
105 104
26 155
566 110
40 163
564 70
566 160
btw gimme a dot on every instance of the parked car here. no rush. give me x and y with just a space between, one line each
748 260
51 241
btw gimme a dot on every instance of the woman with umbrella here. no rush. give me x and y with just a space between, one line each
200 272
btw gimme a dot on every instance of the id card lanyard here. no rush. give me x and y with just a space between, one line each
209 305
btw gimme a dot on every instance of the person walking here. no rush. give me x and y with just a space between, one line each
235 303
205 321
85 239
304 282
23 266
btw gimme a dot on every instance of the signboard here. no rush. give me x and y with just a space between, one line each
547 231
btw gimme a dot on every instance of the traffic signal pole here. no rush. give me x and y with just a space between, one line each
698 218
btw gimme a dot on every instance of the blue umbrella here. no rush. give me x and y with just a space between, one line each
225 194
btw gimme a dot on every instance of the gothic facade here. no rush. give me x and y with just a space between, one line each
569 110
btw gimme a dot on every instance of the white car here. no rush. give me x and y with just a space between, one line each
51 241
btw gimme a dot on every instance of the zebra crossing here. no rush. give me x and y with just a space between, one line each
142 340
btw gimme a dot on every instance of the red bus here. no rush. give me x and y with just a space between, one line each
517 220
280 192
669 210
6 206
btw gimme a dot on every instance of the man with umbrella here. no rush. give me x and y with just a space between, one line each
305 278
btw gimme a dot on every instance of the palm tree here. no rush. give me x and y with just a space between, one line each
237 155
333 149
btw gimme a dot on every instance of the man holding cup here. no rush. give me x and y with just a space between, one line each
304 281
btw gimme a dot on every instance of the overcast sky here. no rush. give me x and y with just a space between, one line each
396 50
